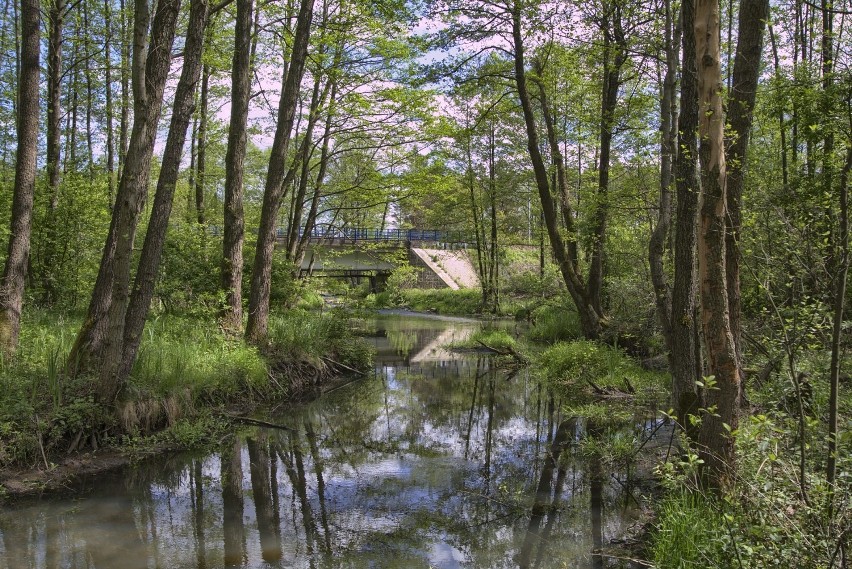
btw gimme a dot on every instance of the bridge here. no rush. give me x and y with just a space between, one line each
331 234
356 252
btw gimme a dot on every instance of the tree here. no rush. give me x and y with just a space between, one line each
15 269
155 238
104 323
721 399
232 244
258 318
591 319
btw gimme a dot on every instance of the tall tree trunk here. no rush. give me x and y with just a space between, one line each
493 292
155 238
110 127
193 158
87 74
123 125
258 318
306 152
752 15
232 244
685 359
15 270
668 141
55 16
320 179
591 320
103 327
715 437
615 54
837 323
201 166
557 162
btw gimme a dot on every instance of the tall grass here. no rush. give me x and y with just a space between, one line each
461 302
185 364
571 365
311 336
179 354
689 533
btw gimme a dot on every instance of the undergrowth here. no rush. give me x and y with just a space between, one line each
584 365
186 365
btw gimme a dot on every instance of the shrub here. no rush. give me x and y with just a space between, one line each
554 323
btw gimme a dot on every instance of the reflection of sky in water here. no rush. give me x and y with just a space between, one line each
433 464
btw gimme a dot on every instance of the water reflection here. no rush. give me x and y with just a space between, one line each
439 460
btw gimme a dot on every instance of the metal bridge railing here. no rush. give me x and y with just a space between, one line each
351 234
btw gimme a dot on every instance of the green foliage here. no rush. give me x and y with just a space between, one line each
491 337
180 353
402 278
570 365
688 533
461 302
553 323
298 335
188 281
763 520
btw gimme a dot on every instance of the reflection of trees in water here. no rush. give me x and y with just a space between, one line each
197 504
232 505
547 497
382 472
264 493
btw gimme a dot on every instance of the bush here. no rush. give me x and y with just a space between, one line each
568 364
461 302
554 323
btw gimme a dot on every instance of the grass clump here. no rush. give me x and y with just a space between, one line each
306 348
761 519
186 366
447 301
182 354
489 337
583 363
552 323
688 533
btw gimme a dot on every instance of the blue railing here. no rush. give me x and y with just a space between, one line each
326 232
351 234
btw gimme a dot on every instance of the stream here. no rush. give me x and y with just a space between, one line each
438 459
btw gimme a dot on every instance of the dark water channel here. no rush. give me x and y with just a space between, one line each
438 460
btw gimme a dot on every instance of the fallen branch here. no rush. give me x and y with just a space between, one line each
257 422
344 366
609 391
509 351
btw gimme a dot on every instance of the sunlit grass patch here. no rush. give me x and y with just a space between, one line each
590 365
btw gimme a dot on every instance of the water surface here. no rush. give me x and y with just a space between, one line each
436 460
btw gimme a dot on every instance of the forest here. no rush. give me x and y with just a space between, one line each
660 183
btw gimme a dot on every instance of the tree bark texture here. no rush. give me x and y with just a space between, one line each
234 230
685 357
715 437
590 320
15 270
155 238
317 99
752 23
615 54
201 166
668 141
55 17
258 318
98 343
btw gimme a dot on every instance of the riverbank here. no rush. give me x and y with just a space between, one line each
439 458
189 383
